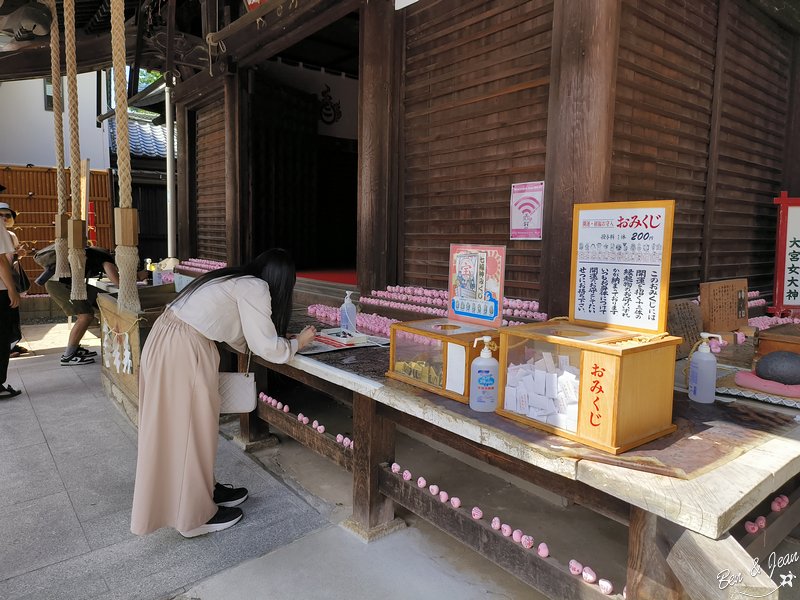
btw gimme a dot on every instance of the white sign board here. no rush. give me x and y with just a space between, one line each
620 268
791 268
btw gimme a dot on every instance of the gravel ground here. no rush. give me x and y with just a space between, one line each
44 321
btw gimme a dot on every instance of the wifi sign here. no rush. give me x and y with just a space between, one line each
526 216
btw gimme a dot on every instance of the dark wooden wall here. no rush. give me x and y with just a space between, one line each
475 90
632 100
701 117
210 173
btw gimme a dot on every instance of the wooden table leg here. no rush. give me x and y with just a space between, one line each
373 437
649 575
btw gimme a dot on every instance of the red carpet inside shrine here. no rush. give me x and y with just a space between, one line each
344 276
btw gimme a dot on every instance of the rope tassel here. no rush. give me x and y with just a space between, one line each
127 255
62 254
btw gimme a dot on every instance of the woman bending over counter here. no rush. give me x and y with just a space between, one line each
247 307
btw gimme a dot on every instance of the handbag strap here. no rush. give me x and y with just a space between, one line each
249 356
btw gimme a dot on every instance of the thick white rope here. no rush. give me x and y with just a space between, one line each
77 256
127 257
62 252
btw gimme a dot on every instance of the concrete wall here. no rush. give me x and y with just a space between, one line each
26 128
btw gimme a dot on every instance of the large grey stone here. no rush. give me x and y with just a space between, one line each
38 533
67 580
95 436
26 474
19 427
101 484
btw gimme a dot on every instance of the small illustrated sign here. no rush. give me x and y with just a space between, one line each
786 295
476 284
526 210
620 264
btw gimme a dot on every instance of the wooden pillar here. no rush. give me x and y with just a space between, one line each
713 145
373 437
580 123
186 186
649 576
232 220
377 120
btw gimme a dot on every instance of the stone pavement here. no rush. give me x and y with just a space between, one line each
67 467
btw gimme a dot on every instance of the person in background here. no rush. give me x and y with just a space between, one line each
179 402
9 313
99 261
8 215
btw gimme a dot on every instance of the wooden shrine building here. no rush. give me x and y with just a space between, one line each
457 100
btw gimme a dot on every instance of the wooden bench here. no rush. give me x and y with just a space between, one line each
679 538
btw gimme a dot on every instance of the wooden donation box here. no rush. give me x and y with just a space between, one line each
437 354
605 376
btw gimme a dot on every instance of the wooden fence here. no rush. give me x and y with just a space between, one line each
33 193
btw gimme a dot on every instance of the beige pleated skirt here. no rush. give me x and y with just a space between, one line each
178 428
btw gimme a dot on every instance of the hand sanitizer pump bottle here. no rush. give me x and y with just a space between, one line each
483 378
703 372
348 314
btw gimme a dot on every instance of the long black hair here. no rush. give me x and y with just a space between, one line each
276 267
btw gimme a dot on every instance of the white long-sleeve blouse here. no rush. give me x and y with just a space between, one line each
236 311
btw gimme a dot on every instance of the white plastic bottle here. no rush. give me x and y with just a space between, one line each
483 379
703 372
349 314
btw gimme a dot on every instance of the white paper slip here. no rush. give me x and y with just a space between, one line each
563 361
539 382
510 399
456 367
548 361
551 385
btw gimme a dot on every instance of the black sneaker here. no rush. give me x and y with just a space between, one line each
81 351
225 517
75 359
227 495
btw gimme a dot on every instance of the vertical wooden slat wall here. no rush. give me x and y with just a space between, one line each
716 152
33 193
211 233
665 79
476 81
752 135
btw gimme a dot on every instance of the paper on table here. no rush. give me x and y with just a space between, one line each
456 367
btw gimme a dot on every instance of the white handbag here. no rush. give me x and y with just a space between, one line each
238 391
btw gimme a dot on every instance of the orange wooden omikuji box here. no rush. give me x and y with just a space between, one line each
604 376
613 392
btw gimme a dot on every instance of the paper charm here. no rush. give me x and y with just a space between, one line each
127 362
117 355
107 343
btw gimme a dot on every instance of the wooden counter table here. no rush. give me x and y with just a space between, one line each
679 496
